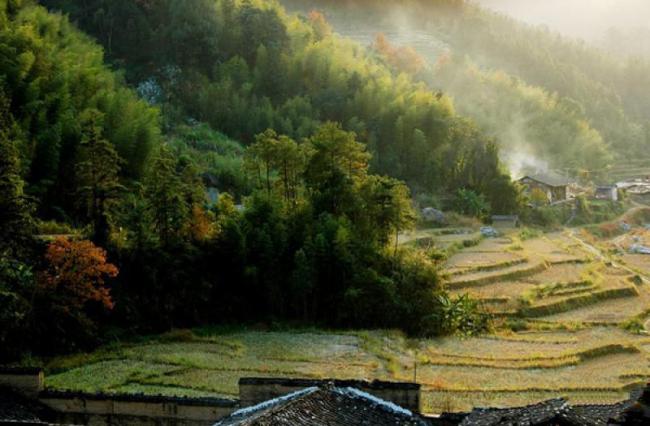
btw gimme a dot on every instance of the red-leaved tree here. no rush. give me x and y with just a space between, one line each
76 274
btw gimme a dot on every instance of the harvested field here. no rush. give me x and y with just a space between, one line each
590 365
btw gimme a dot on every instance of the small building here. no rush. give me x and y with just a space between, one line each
606 192
556 188
505 221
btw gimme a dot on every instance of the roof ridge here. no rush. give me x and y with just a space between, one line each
284 404
385 405
270 406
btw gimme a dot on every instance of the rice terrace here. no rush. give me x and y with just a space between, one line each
569 318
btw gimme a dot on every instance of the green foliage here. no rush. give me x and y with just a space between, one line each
528 233
172 190
97 174
260 69
218 157
52 74
461 315
16 225
326 122
16 282
470 203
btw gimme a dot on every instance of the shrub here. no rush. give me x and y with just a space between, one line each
460 315
52 227
528 233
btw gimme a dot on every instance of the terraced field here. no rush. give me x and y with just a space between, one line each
552 278
597 364
572 308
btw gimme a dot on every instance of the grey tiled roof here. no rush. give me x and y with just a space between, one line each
536 414
552 412
16 408
324 406
549 179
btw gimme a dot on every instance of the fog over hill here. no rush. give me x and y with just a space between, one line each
620 26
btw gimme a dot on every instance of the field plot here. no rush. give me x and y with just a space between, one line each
570 305
592 365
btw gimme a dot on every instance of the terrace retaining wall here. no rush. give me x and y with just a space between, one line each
27 381
139 410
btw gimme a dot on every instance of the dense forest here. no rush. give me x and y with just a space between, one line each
217 162
552 98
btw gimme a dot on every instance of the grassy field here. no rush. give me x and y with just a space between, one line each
565 309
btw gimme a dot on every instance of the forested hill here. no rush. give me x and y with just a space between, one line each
245 66
553 97
306 137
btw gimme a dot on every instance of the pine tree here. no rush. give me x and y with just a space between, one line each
166 197
98 175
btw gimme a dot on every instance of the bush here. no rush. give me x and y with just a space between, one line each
528 233
51 227
459 315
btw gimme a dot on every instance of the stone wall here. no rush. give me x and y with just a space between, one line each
27 381
99 409
255 390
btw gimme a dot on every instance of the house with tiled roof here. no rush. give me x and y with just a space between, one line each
326 405
17 409
554 412
555 187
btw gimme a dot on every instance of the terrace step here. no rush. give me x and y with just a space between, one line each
486 267
507 274
563 289
578 301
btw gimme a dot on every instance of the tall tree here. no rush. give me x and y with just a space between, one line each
98 175
388 206
16 224
166 197
260 158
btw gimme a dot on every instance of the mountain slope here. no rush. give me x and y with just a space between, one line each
245 66
594 91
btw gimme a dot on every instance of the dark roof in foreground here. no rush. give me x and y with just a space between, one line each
549 179
551 412
324 406
536 414
18 409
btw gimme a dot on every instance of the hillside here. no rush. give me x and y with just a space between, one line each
552 98
220 161
257 67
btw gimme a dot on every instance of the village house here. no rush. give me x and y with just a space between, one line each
556 188
606 193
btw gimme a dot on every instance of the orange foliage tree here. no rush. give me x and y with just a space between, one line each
403 58
77 273
320 25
